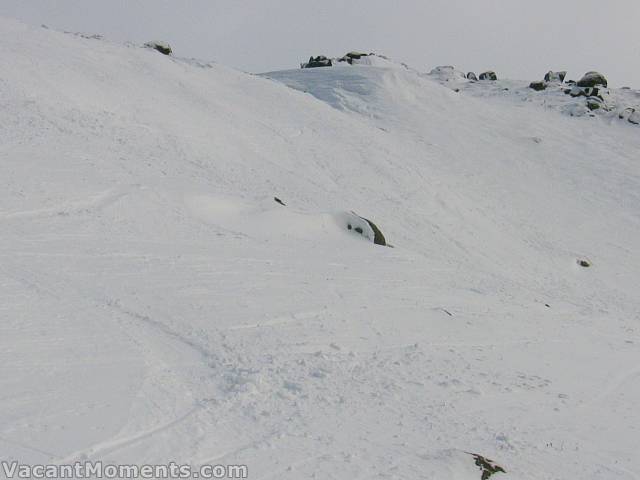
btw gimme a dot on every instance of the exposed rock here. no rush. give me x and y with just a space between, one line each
472 76
162 47
555 76
584 263
487 466
319 61
538 86
378 236
488 75
591 79
277 200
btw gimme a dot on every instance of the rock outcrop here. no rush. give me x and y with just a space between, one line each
162 47
488 75
319 61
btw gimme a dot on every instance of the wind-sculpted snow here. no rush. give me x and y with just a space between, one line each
157 304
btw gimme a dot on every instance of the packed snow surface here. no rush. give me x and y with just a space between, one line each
157 304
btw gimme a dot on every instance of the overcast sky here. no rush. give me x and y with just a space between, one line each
518 39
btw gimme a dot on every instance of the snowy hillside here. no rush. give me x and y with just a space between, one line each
157 304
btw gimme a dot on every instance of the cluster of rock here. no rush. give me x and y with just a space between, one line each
593 88
484 76
590 86
323 61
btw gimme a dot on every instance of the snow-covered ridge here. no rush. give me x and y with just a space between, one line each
157 303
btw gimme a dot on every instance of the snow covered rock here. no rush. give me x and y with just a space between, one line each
631 114
591 79
162 47
364 227
577 91
472 76
552 76
488 75
447 73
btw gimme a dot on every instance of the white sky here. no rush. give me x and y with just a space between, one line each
519 39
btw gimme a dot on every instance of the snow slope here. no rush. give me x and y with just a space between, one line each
156 304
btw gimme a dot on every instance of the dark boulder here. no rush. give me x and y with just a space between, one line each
591 79
538 86
489 75
555 76
472 76
162 47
